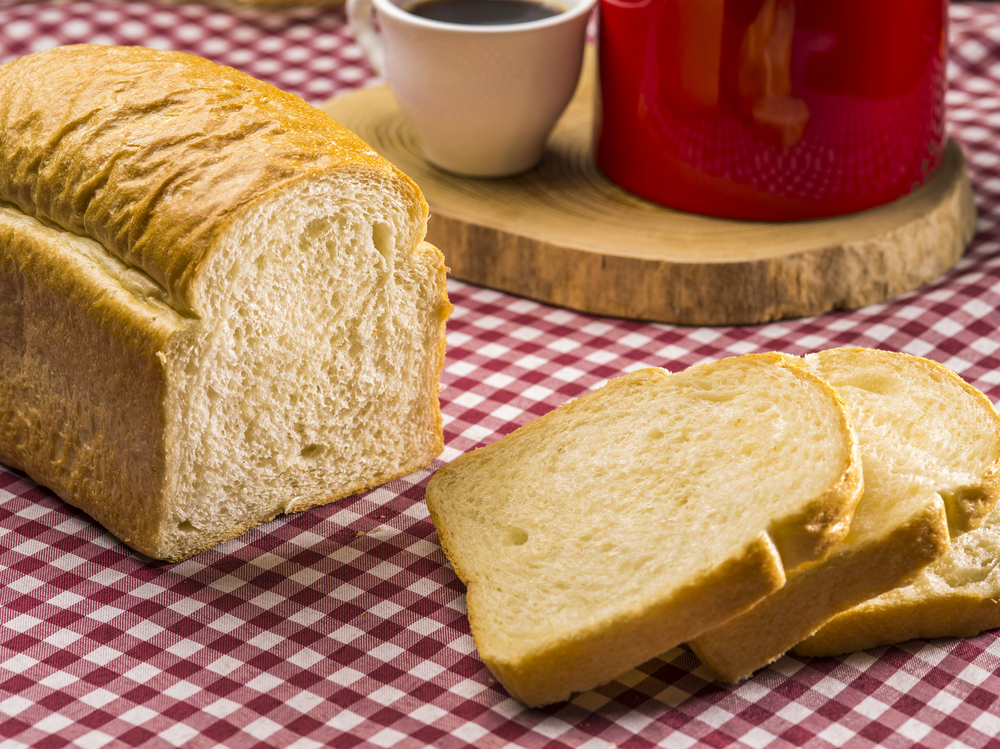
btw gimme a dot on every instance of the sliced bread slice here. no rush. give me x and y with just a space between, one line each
630 520
956 596
930 450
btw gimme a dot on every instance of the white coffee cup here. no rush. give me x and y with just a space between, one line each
482 99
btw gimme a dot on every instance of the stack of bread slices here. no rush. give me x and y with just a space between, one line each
748 507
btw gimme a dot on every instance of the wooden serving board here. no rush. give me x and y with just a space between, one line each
564 234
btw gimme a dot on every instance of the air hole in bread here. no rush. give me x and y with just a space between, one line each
880 385
517 536
312 451
186 527
966 575
639 563
384 241
722 397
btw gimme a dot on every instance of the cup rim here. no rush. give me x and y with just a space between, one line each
390 8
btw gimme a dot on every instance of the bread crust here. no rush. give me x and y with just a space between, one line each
106 450
820 526
155 172
958 595
596 653
964 613
752 640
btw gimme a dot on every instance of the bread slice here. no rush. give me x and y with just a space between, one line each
628 521
930 450
956 596
215 303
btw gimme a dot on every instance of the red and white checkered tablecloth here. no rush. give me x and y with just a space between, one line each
344 626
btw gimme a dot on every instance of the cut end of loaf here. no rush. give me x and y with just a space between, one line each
312 372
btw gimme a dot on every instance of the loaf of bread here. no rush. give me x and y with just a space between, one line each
215 302
636 517
956 596
930 452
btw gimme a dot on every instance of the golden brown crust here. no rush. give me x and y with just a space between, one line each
61 324
154 171
734 651
595 655
811 534
968 508
961 614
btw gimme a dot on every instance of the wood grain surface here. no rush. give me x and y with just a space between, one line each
564 234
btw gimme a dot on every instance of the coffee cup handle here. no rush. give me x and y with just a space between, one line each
360 14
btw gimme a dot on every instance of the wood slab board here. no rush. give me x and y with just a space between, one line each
564 234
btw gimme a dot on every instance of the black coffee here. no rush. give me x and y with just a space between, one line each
483 12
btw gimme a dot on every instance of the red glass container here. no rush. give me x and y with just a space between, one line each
771 110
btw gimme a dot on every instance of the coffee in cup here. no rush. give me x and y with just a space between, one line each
483 12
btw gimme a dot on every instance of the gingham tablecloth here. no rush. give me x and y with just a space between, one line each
344 626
